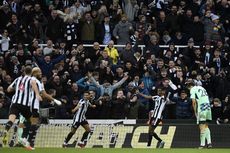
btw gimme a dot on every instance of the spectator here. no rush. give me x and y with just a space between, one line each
127 54
94 52
214 30
70 32
4 42
226 111
131 8
78 8
105 33
183 105
88 29
133 104
54 29
4 105
112 52
5 15
47 64
216 109
122 30
106 87
118 106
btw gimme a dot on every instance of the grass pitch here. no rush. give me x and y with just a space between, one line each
111 150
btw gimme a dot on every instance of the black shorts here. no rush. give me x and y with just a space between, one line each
18 108
77 124
35 113
154 122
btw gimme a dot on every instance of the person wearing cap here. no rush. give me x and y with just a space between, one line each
214 30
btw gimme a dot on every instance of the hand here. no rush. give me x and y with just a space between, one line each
126 75
148 122
90 74
1 105
93 106
39 98
57 102
8 24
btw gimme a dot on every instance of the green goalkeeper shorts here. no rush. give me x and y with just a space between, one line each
204 116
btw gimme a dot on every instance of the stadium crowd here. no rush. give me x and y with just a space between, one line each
115 76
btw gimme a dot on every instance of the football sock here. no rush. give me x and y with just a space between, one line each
202 138
8 125
149 139
26 130
84 137
69 136
156 137
32 134
208 135
19 132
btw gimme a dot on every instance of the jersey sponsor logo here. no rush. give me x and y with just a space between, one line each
21 87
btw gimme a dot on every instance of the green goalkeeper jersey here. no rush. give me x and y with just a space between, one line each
201 96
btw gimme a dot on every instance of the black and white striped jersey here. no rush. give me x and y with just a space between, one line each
159 106
80 114
22 88
35 104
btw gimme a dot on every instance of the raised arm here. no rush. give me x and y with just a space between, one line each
92 79
58 59
118 84
81 81
50 98
145 96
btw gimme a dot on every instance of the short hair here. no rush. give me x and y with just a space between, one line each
190 84
86 92
28 70
35 70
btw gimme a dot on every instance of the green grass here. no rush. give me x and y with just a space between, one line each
103 150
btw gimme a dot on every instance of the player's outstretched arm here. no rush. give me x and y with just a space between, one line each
50 98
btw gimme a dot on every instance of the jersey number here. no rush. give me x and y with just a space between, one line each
203 92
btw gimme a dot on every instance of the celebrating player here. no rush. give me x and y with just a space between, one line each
156 115
80 119
22 86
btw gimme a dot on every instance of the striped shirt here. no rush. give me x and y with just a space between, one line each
22 90
159 106
80 114
35 104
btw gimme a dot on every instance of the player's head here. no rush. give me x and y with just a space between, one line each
86 95
28 70
92 94
161 91
36 72
190 84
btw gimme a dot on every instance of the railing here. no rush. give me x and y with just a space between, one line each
178 47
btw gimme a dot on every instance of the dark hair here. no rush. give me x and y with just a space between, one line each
28 70
86 92
190 84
